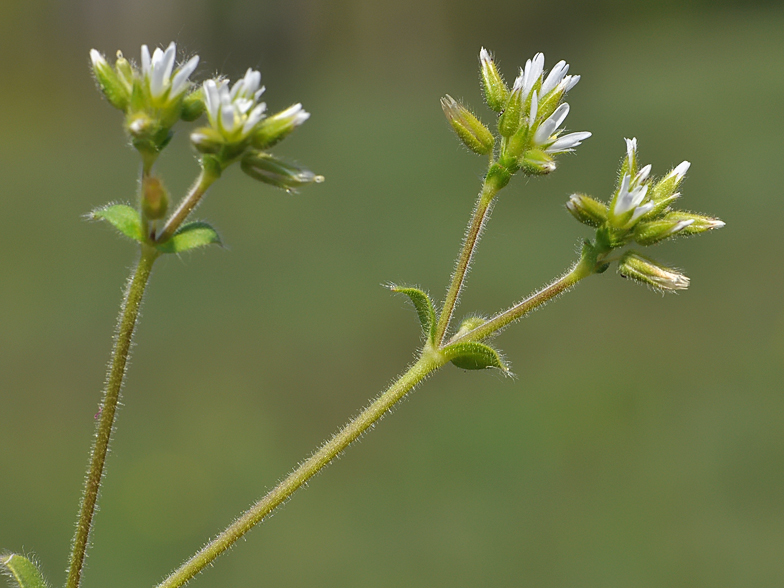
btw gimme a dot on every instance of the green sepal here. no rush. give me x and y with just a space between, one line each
475 356
123 217
192 106
424 308
190 236
23 572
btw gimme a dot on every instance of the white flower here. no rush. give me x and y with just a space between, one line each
157 71
235 112
556 80
547 136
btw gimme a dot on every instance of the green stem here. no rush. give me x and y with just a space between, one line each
478 219
129 312
582 269
427 363
203 182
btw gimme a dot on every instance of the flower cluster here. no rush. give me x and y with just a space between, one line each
640 211
155 95
530 119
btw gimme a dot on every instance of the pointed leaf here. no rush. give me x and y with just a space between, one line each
124 218
190 236
475 356
23 572
424 308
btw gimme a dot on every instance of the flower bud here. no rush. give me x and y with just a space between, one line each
647 271
155 198
207 140
587 210
192 105
474 135
117 92
536 162
469 324
496 92
511 119
697 222
666 187
271 170
648 233
275 128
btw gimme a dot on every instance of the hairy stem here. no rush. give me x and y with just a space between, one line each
579 271
478 219
427 363
129 312
186 206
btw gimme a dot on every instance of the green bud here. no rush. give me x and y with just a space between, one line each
474 135
470 324
697 222
155 198
509 122
648 233
498 176
271 170
275 128
587 210
650 272
124 69
496 92
666 187
536 162
207 140
192 106
117 92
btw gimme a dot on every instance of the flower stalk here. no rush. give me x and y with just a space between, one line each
129 313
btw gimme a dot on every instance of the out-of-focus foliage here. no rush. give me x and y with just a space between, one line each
665 473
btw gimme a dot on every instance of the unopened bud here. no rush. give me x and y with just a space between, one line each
275 128
192 105
659 230
510 120
113 87
496 92
474 135
155 198
587 210
536 162
273 171
207 140
469 324
647 271
697 222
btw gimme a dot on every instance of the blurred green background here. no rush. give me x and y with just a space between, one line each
642 442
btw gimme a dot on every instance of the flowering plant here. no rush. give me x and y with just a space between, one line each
528 138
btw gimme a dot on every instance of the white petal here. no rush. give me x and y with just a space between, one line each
623 203
631 148
97 58
212 100
544 131
168 61
566 142
643 174
680 170
641 210
228 118
518 83
554 77
484 56
180 81
253 118
681 225
145 60
570 82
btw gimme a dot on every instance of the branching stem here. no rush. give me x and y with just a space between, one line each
427 363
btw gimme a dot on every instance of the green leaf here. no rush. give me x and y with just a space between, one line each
190 236
23 572
124 218
424 308
475 356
